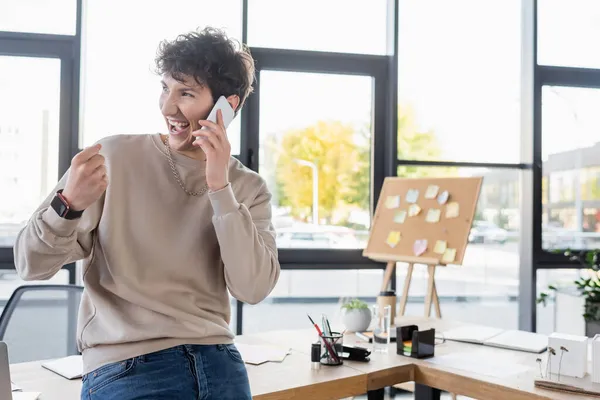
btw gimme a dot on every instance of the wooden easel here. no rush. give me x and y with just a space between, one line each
431 296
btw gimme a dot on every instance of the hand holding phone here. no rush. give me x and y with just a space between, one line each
212 139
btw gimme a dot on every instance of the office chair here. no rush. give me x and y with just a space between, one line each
40 322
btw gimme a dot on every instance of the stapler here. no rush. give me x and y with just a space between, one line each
355 353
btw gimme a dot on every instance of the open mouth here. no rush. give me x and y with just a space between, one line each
178 127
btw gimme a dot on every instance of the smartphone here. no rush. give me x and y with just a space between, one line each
226 110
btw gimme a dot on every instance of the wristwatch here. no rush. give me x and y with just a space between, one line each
62 207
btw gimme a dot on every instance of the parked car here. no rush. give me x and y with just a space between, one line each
487 232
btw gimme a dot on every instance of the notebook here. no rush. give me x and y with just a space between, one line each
471 334
519 340
69 367
495 337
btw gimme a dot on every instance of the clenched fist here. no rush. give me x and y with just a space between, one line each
87 178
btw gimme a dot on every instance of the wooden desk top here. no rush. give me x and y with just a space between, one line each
294 379
386 369
291 379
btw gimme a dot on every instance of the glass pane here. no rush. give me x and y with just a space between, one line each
333 25
28 138
562 310
315 156
300 292
38 16
571 170
121 90
459 92
567 32
485 288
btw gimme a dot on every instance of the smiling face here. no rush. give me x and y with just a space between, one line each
183 104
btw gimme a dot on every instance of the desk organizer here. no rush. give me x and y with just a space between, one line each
412 342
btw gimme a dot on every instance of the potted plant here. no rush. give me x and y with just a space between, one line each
588 288
356 315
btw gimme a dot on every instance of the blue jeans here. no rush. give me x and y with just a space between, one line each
198 372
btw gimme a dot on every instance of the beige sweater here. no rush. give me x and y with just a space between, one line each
158 262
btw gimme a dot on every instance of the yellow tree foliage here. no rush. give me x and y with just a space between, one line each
331 147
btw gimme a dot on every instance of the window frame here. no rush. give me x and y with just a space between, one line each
66 48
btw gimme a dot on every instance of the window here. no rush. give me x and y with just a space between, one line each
28 138
314 292
570 153
485 288
315 151
120 88
332 25
567 32
38 16
459 80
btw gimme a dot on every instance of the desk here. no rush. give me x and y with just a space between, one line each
293 379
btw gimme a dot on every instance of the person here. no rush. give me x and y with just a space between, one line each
167 225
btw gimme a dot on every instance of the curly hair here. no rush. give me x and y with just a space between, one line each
213 59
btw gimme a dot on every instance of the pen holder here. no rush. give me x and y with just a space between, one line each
332 347
411 342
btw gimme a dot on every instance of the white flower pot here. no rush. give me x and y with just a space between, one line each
356 320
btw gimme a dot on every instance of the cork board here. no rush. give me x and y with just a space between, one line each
395 230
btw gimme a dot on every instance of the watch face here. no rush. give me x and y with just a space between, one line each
60 206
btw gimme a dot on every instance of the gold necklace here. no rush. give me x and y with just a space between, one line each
176 174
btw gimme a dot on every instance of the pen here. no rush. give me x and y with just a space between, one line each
327 344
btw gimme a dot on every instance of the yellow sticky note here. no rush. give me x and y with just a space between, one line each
433 215
400 217
452 210
393 238
392 202
440 247
432 191
449 256
413 210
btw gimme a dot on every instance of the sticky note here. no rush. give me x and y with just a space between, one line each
452 209
433 215
393 238
432 191
400 217
440 247
449 256
443 197
392 202
412 195
413 210
419 246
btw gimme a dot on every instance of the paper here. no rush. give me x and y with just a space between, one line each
420 246
431 192
392 202
449 256
26 395
14 387
259 354
412 195
480 363
443 197
400 217
393 238
414 210
70 367
440 247
452 210
433 215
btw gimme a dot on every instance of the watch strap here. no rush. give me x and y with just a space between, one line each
63 208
